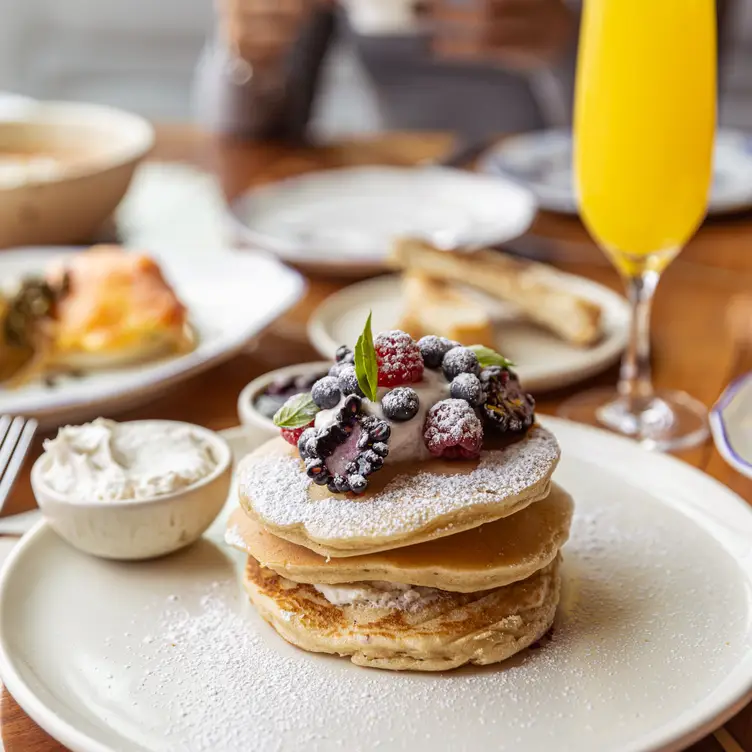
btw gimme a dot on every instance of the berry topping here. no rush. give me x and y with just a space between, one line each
468 387
348 380
326 392
433 349
342 456
292 435
507 408
453 430
344 355
400 404
460 360
399 359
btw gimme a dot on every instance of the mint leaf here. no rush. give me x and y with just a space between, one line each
297 412
366 366
488 357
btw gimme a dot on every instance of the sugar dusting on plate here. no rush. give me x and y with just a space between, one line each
220 679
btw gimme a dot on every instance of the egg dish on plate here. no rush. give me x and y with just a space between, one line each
94 310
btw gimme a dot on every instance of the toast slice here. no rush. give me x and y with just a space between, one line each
436 307
534 288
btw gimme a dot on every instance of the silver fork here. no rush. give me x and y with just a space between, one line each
15 439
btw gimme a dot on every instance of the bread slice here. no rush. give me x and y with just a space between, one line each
535 288
436 307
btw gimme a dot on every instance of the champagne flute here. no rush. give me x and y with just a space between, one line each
645 117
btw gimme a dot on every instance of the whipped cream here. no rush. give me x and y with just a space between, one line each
109 461
406 441
379 594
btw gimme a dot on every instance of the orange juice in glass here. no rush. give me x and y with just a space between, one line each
645 116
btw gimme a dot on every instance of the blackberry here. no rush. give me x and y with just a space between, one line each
326 392
344 355
468 387
433 349
342 456
348 381
460 360
400 404
508 408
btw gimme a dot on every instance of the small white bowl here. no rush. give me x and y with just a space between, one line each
143 528
247 412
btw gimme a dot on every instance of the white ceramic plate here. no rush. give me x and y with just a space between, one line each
345 220
231 297
542 162
652 646
731 424
543 360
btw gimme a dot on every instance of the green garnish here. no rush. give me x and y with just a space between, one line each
366 366
488 357
297 412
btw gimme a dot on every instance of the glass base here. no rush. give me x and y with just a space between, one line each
671 421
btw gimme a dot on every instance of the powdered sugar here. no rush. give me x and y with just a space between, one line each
278 491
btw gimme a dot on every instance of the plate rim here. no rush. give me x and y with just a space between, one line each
373 260
63 408
488 164
322 342
719 429
715 714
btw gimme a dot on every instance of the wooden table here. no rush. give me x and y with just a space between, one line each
693 347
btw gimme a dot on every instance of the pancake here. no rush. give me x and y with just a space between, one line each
405 503
489 556
438 633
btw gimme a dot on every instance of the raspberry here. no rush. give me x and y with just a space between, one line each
507 407
399 359
453 430
292 435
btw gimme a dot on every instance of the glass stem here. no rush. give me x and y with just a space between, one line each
635 383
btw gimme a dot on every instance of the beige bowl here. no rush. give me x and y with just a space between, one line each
64 167
144 528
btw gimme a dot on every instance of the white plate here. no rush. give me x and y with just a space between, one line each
543 360
542 162
652 646
345 220
231 297
731 424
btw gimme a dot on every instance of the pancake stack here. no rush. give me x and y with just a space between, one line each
443 559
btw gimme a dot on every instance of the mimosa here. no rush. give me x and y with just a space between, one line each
645 116
645 121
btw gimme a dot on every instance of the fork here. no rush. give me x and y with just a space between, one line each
15 439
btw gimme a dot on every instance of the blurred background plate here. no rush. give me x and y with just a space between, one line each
231 298
343 221
542 162
543 361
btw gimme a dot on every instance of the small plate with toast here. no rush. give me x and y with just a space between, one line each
557 328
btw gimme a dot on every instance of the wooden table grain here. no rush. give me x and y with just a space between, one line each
694 347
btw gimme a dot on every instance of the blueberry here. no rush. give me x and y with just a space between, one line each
326 392
433 349
400 404
468 387
460 360
348 381
344 355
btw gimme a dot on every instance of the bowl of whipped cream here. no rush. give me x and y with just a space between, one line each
132 490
